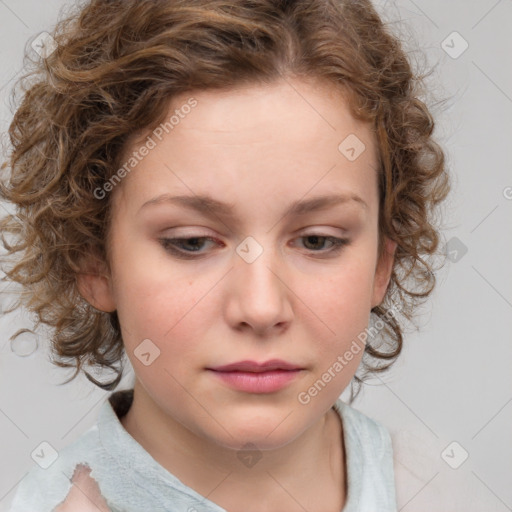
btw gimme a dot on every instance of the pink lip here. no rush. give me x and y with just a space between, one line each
253 366
253 377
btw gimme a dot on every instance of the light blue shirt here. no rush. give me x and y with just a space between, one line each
130 479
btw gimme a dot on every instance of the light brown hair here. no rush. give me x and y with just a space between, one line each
117 65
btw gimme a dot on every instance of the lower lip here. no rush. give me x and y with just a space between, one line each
258 382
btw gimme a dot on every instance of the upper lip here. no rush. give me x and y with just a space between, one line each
253 366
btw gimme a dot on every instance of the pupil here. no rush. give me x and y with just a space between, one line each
315 239
193 242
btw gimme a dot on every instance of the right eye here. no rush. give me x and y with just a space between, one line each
185 247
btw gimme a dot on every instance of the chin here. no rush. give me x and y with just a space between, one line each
266 432
255 440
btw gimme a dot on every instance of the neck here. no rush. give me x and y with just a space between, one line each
307 473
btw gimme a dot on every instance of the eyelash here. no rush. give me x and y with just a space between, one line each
169 245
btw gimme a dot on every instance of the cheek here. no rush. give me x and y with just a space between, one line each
166 311
342 304
153 300
343 299
170 317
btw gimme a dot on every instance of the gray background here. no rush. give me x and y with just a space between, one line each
453 380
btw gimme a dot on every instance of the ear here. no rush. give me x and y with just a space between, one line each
94 283
383 272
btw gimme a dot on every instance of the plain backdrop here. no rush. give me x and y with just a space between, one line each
448 400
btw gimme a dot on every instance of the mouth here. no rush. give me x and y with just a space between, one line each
254 367
254 377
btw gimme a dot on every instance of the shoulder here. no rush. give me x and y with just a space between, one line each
48 483
369 462
369 435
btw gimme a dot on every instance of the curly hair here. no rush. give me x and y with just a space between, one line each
115 68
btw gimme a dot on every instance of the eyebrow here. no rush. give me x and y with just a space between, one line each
207 205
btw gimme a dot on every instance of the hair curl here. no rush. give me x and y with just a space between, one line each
116 66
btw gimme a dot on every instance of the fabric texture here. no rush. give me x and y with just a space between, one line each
130 479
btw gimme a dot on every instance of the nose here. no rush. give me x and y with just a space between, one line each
259 297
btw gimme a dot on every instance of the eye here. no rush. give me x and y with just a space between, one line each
179 247
315 240
185 248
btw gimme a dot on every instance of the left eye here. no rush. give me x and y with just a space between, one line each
186 247
336 243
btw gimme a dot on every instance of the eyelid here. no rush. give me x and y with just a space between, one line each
313 230
304 232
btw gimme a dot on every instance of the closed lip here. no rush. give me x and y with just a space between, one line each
254 366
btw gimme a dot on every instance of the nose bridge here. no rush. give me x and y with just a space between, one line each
261 294
254 263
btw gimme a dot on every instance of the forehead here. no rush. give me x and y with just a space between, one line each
305 106
262 137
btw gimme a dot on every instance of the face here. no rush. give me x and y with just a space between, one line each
240 276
